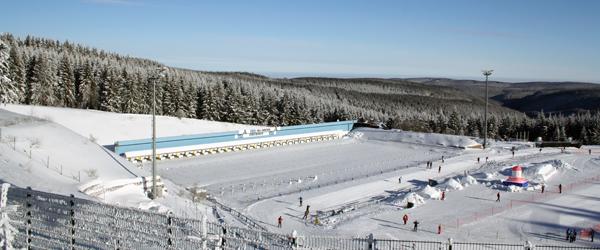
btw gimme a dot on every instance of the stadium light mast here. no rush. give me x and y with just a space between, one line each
486 73
160 73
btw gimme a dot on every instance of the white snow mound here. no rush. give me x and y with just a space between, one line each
453 184
431 193
468 180
542 171
412 197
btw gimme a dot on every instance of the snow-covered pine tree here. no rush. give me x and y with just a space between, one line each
16 67
178 99
9 92
201 95
454 123
85 88
129 94
66 80
168 91
190 101
234 106
40 82
268 110
583 136
284 107
108 95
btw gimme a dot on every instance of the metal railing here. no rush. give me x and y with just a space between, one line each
50 221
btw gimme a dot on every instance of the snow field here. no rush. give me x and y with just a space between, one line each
356 177
244 176
105 127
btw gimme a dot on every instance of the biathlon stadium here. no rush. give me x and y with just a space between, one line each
212 143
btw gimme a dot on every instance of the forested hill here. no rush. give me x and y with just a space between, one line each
41 71
530 97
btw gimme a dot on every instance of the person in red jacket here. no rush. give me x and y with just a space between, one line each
405 218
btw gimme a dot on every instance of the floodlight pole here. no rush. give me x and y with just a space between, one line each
160 73
486 73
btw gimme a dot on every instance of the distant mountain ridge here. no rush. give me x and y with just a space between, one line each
529 97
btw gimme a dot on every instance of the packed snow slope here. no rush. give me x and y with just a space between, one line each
49 157
106 127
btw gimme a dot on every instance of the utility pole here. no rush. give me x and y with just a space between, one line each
160 73
486 73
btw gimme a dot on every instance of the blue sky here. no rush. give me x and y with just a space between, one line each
521 40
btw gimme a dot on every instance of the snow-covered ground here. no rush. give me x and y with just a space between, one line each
352 184
106 127
49 157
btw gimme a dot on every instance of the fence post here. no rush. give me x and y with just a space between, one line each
450 241
204 234
7 229
529 245
28 217
169 232
72 214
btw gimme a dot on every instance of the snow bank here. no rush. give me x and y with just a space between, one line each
431 193
125 192
413 198
542 171
513 188
539 172
414 137
453 184
467 180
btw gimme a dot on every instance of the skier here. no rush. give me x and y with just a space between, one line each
478 159
592 234
293 238
439 229
300 199
543 188
306 212
574 235
279 221
442 159
400 179
416 223
513 153
568 234
440 169
486 159
590 151
405 218
443 195
560 188
498 197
